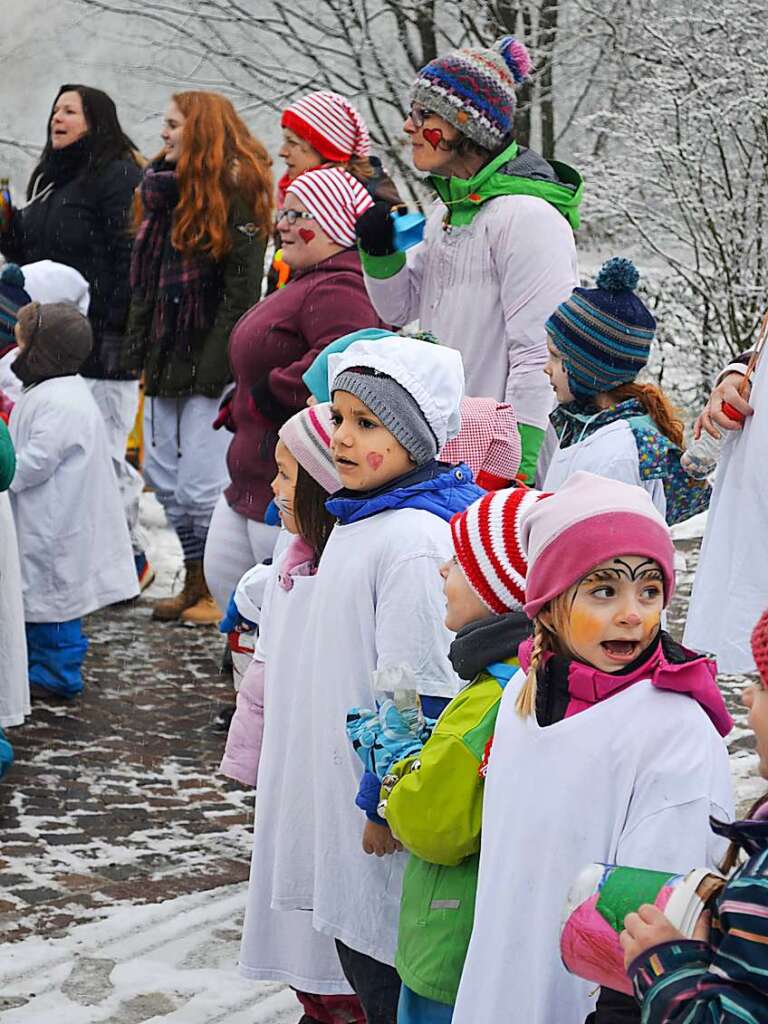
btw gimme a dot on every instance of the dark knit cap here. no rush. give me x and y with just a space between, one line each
604 333
394 406
474 90
58 341
12 298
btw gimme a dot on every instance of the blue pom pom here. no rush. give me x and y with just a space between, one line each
516 57
12 275
618 275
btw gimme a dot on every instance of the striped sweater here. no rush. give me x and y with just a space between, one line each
725 980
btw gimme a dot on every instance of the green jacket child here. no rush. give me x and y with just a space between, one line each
433 799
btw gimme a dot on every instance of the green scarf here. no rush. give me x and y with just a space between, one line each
465 196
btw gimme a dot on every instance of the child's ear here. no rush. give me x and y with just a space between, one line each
545 617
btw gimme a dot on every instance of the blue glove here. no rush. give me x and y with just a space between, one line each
233 621
368 796
383 737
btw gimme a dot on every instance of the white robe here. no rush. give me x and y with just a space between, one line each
74 546
377 605
14 685
730 589
280 944
630 781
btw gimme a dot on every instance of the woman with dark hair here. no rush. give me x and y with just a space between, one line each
77 212
204 212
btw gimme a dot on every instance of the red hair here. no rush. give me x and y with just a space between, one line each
219 156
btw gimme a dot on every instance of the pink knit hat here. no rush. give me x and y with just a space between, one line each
760 647
588 520
330 124
488 442
335 198
486 538
307 436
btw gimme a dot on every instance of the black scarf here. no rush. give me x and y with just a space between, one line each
61 166
485 641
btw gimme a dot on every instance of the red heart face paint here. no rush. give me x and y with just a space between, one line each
306 235
374 459
434 136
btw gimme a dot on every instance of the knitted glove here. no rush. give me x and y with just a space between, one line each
375 230
233 621
381 738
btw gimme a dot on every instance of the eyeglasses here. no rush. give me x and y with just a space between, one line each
293 215
419 115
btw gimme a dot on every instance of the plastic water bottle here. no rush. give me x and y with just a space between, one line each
701 457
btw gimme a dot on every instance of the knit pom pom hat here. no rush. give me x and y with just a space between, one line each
760 647
12 297
307 436
587 521
604 333
330 124
486 538
334 198
488 442
474 90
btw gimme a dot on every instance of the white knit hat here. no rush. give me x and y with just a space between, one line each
335 199
432 375
47 281
307 435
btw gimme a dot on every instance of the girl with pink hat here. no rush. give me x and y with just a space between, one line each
608 747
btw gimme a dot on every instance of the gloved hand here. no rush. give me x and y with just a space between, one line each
374 230
233 621
383 737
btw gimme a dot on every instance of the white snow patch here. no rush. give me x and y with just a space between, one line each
690 529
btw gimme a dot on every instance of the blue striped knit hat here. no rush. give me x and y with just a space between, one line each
474 90
12 298
604 334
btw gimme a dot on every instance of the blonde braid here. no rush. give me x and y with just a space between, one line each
525 704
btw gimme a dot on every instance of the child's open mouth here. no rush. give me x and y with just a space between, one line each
621 650
342 463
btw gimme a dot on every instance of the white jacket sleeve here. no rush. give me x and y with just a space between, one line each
535 258
42 451
397 299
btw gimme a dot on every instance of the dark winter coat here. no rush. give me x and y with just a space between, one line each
173 373
271 347
85 223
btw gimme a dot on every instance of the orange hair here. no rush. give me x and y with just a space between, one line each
219 156
656 405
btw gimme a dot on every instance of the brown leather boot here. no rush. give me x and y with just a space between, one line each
204 612
168 609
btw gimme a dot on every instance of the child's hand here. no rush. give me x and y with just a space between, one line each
649 927
379 840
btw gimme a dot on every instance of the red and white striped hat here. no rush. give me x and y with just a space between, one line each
330 124
486 538
760 647
335 198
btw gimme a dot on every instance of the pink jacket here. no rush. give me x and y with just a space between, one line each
246 730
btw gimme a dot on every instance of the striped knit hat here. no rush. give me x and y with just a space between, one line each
335 198
486 538
330 124
12 298
604 334
474 90
307 436
760 647
488 442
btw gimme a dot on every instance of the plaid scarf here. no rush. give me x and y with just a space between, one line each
185 289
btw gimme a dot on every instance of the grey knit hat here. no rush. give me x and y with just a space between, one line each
394 406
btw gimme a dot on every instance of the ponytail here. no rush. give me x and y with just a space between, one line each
546 639
656 405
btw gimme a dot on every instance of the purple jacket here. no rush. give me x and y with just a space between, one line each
269 349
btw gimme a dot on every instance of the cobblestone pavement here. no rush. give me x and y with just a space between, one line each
115 796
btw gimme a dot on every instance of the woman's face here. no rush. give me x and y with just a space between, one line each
298 155
173 129
68 123
304 243
284 485
431 138
755 698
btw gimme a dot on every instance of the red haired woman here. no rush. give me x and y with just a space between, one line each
204 214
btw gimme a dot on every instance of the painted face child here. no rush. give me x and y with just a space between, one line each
366 454
284 485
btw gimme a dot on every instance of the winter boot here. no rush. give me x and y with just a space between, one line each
169 609
204 612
